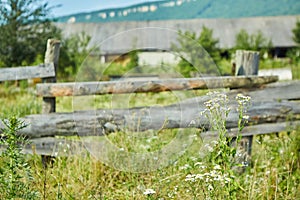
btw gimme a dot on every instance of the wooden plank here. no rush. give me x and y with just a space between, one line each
181 115
27 72
51 146
260 129
121 87
62 147
184 114
278 91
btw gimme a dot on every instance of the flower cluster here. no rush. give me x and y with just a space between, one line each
243 100
209 178
243 104
217 101
217 109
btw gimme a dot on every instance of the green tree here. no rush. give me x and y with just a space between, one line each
254 42
296 32
294 53
24 29
72 54
198 53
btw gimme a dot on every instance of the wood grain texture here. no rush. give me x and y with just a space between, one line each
65 147
27 72
121 87
51 56
183 114
247 62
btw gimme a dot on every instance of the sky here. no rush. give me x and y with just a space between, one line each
66 7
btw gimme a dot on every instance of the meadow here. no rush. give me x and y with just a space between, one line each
205 170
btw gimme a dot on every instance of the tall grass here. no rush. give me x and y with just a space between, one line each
273 173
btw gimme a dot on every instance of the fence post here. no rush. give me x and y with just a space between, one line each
51 56
246 64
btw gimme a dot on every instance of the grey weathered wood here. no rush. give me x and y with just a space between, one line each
27 72
260 129
247 62
61 147
51 146
119 87
51 56
184 114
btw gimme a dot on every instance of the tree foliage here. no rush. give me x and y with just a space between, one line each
254 42
296 32
294 53
198 53
73 51
24 30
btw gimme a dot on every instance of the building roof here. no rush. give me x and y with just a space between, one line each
121 37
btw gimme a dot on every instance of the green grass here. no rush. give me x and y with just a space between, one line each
273 174
274 171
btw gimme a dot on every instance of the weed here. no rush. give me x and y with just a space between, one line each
15 177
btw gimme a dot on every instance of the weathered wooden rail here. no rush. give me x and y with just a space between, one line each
274 105
123 87
27 72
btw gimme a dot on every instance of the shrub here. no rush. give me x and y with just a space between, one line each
15 176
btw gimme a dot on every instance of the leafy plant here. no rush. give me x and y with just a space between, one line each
15 177
198 53
217 169
296 32
254 42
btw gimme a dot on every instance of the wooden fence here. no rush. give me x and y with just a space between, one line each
274 105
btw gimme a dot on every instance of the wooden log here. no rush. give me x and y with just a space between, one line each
260 129
181 115
51 56
51 146
247 62
65 147
278 91
27 72
121 87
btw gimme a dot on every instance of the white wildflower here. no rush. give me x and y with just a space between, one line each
217 167
149 191
186 166
227 180
246 117
209 148
210 188
198 163
190 177
199 176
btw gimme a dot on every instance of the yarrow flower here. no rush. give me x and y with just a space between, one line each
149 191
246 117
243 100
